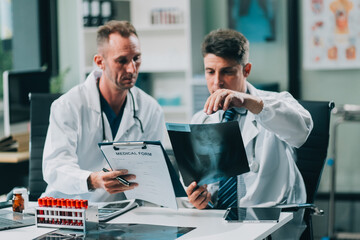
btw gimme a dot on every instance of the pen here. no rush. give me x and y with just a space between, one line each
120 179
210 203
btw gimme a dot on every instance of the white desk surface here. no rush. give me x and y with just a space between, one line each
209 224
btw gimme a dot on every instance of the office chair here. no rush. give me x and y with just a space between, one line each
312 154
39 120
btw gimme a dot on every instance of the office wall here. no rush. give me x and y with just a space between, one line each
34 42
26 28
69 21
269 59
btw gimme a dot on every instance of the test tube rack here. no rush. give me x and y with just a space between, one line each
69 218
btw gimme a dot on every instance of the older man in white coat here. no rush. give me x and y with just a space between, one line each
106 107
272 125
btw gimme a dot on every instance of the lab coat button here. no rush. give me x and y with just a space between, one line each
254 167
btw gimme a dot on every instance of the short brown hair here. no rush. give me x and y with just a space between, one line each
228 44
124 28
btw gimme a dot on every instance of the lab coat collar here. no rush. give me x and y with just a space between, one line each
251 129
250 123
128 119
90 84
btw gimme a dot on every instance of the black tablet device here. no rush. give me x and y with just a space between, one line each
255 215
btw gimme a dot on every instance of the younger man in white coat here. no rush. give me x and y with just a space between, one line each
107 106
272 126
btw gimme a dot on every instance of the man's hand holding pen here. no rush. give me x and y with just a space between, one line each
110 181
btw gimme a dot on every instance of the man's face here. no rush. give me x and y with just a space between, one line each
121 60
221 73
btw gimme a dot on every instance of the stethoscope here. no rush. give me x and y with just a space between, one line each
102 117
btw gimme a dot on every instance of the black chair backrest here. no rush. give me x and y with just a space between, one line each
39 121
312 155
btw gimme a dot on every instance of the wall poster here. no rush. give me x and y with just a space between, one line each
253 18
331 34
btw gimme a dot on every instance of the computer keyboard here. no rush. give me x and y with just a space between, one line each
4 221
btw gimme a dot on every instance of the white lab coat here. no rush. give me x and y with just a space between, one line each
71 149
282 125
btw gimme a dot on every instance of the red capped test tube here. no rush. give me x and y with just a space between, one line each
84 204
64 213
78 206
58 205
50 211
46 211
73 206
68 206
40 212
55 212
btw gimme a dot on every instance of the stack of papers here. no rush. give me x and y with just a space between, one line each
8 144
15 143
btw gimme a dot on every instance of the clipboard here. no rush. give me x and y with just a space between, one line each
158 181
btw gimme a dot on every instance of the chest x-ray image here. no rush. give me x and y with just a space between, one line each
206 153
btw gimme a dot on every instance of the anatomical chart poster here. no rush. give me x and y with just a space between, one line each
331 34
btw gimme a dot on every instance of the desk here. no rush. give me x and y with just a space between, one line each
14 157
14 170
209 224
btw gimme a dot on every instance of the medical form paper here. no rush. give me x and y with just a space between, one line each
150 165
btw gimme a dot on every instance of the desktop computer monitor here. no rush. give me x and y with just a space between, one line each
16 86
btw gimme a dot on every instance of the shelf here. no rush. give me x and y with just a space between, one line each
174 109
162 27
152 28
90 30
161 70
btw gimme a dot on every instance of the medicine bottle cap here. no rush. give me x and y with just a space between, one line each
17 191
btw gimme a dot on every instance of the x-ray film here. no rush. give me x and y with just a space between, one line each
207 153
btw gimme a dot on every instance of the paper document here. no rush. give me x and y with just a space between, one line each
148 163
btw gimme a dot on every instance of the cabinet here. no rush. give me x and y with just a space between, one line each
120 10
171 33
